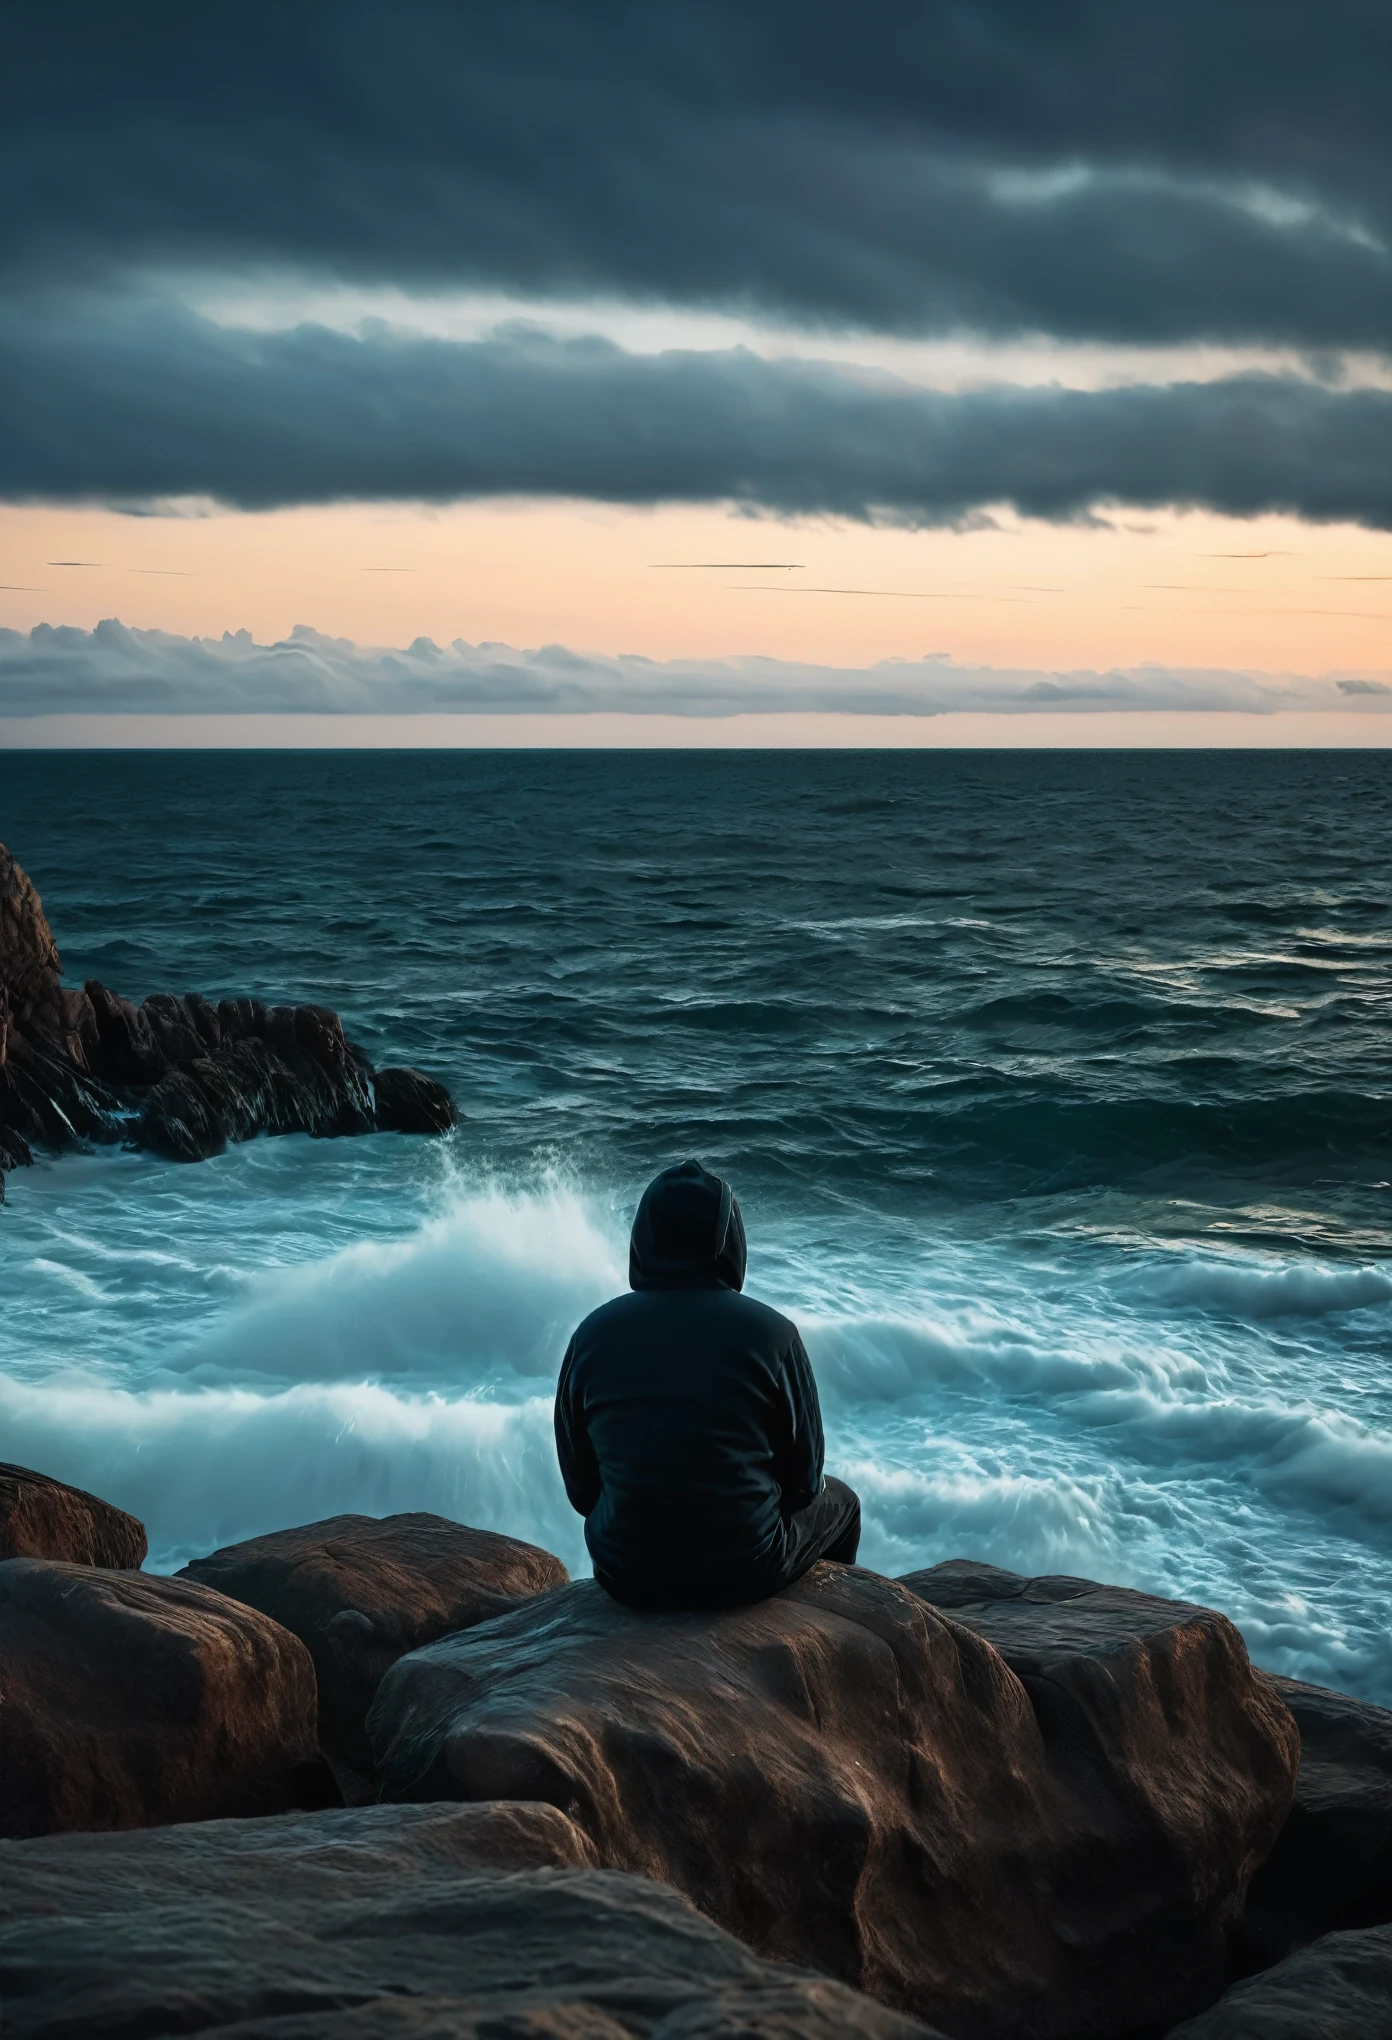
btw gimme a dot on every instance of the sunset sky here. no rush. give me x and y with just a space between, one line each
981 363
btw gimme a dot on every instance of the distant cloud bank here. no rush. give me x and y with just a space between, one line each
58 670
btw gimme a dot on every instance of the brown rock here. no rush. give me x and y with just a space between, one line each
128 1701
847 1779
1338 1988
42 1518
30 967
437 1923
361 1591
1332 1867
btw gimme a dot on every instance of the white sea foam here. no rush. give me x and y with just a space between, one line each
483 1296
1051 1411
211 1466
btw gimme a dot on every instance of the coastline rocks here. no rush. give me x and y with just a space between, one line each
180 1076
361 1591
1070 1640
42 1518
438 1923
1332 1867
129 1701
1338 1988
848 1779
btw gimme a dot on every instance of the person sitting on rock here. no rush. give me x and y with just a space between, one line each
687 1422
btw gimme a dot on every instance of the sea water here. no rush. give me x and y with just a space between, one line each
1056 1090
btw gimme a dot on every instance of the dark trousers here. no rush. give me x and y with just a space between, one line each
829 1527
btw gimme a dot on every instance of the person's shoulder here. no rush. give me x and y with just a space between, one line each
604 1319
774 1327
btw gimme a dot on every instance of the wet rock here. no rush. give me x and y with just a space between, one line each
130 1701
37 1004
128 1050
1332 1867
1337 1988
177 1075
42 1518
848 1779
438 1923
361 1591
407 1102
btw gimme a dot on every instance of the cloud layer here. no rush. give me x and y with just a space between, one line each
129 401
1082 169
113 669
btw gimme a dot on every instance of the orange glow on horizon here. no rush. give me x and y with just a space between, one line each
1177 589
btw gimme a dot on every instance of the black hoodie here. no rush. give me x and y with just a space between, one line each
687 1422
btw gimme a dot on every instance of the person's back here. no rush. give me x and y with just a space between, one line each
687 1421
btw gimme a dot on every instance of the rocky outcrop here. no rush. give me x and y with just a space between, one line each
437 1923
846 1778
1067 1639
129 1701
360 1591
1337 1988
1332 1867
181 1076
41 1518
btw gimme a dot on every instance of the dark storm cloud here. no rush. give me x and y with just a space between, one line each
127 402
1207 171
116 670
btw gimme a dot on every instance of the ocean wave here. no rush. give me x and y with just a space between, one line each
209 1467
1257 1289
483 1295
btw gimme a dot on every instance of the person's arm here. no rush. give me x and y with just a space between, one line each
800 1463
579 1467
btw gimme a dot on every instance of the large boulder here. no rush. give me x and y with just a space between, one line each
361 1591
1332 1867
429 1923
128 1701
1332 1864
41 1518
1337 1988
847 1779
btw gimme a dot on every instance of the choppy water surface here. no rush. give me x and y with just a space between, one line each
1057 1090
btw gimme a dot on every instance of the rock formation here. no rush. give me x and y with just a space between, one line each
1332 1866
41 1518
382 1923
845 1778
181 1076
129 1701
1008 1806
360 1592
1337 1988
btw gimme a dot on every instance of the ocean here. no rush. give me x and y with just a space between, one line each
1056 1090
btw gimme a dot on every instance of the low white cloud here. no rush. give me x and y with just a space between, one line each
113 669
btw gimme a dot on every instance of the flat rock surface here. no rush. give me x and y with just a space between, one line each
1337 1988
847 1779
476 1923
129 1701
360 1591
42 1518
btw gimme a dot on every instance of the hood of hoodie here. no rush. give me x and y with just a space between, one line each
688 1233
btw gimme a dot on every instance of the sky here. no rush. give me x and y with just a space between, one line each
961 370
